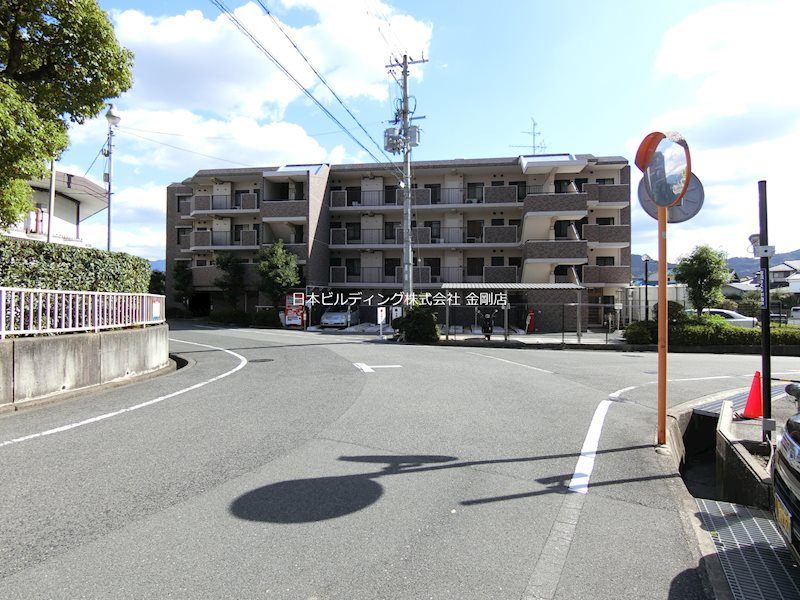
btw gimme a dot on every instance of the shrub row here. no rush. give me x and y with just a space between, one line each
32 264
699 332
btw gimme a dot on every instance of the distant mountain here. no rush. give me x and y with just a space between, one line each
158 265
743 265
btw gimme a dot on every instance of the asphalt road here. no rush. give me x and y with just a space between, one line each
284 464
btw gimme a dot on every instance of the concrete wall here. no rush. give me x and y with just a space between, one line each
37 367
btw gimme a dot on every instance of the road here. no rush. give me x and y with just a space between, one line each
283 464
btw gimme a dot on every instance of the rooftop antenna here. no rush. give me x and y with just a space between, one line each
535 149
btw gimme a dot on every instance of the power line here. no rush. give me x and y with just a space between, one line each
239 25
325 83
141 137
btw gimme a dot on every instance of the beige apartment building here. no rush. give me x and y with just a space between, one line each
551 231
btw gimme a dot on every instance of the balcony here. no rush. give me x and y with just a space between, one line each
218 240
607 234
555 249
556 204
610 195
275 210
216 204
431 196
606 275
500 275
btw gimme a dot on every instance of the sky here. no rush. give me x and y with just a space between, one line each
594 77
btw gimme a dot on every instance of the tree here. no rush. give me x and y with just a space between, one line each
704 271
157 283
278 270
232 281
59 63
182 282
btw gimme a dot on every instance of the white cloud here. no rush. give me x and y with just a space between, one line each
740 112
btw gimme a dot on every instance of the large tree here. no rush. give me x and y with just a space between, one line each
59 63
231 283
279 271
704 272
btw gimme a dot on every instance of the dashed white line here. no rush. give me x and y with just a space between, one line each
512 362
116 413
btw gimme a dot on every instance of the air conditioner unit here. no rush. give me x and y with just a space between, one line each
437 241
471 201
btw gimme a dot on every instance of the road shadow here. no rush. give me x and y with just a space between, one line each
321 498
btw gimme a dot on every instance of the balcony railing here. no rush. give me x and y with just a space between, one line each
204 239
555 249
432 196
34 311
607 233
606 274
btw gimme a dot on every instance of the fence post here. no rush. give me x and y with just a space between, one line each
2 314
96 316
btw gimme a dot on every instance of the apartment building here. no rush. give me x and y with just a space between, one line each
76 199
551 230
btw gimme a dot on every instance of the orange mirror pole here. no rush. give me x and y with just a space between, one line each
662 326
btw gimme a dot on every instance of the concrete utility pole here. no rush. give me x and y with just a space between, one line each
407 138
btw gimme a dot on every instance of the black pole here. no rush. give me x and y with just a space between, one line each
646 285
763 241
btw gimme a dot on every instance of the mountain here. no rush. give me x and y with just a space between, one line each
158 265
743 265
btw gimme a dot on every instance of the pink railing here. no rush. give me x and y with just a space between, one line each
32 311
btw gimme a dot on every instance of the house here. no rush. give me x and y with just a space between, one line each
549 230
76 199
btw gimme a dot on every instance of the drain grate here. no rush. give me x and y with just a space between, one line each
752 552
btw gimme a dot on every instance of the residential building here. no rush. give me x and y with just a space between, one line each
553 230
76 199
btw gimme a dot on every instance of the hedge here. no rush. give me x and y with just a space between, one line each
40 265
710 332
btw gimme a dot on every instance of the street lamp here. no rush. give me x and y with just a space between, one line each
646 258
113 121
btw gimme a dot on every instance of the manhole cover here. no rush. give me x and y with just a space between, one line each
261 360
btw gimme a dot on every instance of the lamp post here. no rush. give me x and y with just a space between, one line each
646 258
113 121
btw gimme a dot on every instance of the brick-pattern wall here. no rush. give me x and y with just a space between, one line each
555 202
500 234
500 274
556 249
607 233
284 208
500 193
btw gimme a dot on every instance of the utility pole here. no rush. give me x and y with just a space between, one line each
403 141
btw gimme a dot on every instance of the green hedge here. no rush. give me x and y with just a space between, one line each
710 332
31 264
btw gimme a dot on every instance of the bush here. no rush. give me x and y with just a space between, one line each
233 317
267 318
418 326
32 264
675 312
642 332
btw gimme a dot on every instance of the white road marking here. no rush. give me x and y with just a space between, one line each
370 368
512 362
116 413
583 470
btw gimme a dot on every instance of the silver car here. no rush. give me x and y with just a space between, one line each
340 316
731 317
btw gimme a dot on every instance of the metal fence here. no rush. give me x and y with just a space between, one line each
32 311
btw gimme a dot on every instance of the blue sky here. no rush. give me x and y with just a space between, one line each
596 77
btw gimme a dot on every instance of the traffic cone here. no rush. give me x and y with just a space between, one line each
754 408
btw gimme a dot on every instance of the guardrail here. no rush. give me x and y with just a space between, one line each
32 311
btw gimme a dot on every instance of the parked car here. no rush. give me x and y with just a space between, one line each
794 316
731 317
340 316
786 479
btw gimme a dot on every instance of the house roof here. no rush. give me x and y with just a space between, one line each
92 197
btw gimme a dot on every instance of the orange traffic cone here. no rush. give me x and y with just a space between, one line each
754 408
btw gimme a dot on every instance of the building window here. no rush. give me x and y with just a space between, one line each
606 181
604 261
604 220
353 267
435 265
390 194
436 192
475 192
562 229
498 222
436 229
389 266
353 232
522 189
498 261
237 232
579 183
390 229
200 262
515 261
562 186
475 267
474 231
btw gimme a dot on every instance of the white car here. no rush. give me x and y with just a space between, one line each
731 317
340 316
